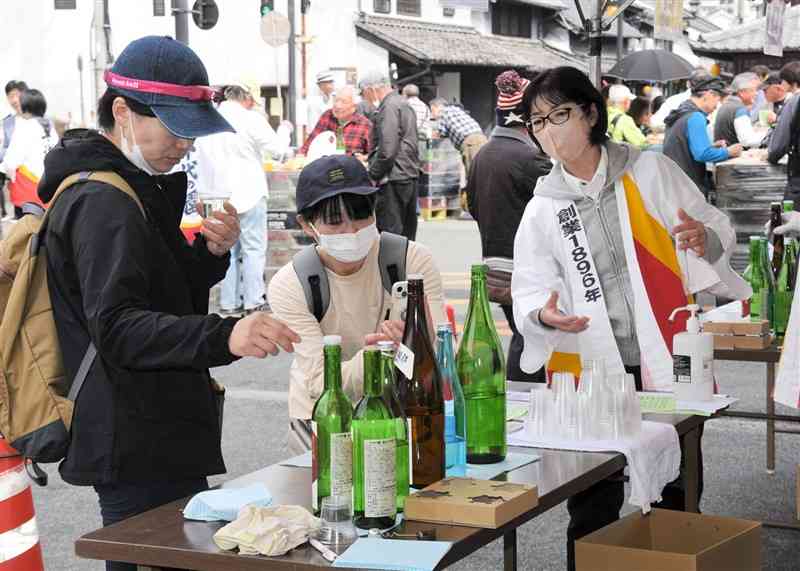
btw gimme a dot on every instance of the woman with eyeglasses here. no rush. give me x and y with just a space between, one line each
613 240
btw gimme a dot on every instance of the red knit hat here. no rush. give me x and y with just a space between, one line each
511 89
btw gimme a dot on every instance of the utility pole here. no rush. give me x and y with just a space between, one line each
620 38
101 27
292 70
180 10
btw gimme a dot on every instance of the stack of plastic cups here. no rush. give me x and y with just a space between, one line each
616 403
586 404
633 408
539 413
566 403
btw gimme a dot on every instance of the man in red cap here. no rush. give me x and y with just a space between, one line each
130 296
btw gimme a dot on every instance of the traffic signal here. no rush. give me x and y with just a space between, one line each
267 6
205 14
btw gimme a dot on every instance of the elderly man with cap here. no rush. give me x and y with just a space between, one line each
621 126
352 130
500 185
686 141
394 158
230 165
318 104
733 124
130 296
336 209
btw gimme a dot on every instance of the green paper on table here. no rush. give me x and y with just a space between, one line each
393 554
516 411
664 404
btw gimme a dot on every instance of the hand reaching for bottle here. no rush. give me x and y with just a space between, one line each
791 224
390 330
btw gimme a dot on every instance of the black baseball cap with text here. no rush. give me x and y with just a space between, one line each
330 176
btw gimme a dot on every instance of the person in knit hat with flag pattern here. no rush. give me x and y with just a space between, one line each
500 184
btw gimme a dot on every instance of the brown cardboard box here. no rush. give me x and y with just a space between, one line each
667 540
736 327
730 342
471 502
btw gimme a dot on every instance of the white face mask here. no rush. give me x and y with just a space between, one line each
348 247
134 152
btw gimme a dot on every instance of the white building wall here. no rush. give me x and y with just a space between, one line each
41 45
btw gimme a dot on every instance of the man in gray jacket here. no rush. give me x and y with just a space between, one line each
394 159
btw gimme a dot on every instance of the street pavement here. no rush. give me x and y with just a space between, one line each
254 436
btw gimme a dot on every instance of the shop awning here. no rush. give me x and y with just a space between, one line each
424 43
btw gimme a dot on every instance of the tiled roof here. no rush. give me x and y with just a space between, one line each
445 44
750 37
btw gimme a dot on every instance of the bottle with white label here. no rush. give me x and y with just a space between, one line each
419 386
692 359
374 451
331 441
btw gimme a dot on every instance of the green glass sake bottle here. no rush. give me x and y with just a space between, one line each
374 451
331 441
481 368
784 284
401 426
419 386
760 280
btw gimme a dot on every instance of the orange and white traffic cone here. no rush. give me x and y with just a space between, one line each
19 537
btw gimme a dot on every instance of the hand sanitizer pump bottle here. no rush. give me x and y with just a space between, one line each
693 360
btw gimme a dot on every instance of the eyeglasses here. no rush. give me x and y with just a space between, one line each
555 117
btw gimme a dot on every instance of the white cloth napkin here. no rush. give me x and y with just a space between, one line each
267 531
654 458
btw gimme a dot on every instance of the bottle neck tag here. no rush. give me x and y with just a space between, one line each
404 360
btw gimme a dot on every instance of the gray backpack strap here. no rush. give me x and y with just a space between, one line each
314 279
392 259
83 372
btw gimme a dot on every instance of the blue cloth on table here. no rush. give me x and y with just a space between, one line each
393 554
224 504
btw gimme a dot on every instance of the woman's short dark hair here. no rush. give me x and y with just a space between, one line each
105 113
638 109
358 207
32 101
566 84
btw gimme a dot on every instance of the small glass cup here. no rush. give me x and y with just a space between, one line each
337 530
211 204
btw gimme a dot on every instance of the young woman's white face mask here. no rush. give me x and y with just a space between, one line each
348 247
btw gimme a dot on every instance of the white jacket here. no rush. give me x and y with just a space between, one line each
231 165
540 261
29 144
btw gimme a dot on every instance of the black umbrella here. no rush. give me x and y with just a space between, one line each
651 65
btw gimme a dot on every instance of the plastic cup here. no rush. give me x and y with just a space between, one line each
763 117
337 530
566 405
211 204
